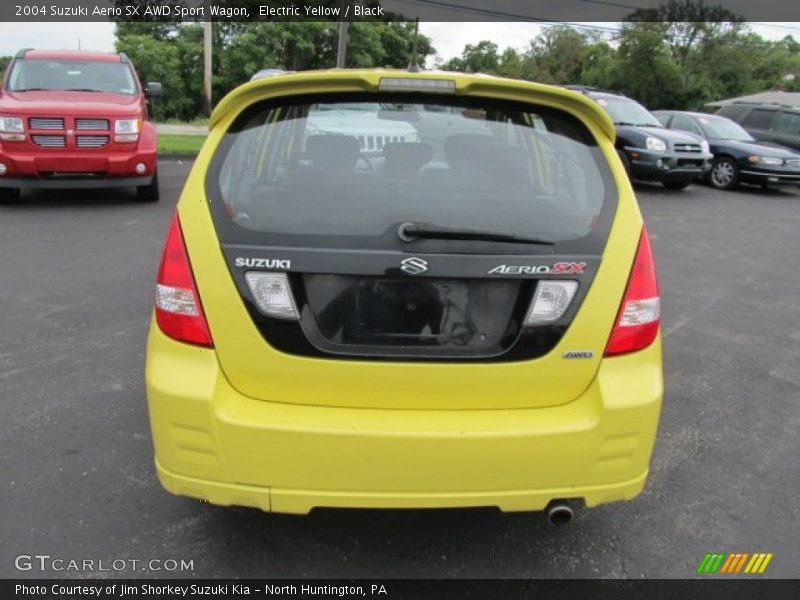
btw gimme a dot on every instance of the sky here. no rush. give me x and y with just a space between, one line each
449 39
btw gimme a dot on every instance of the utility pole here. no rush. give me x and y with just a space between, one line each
341 53
207 35
413 67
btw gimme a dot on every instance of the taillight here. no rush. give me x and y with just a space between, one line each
179 313
639 315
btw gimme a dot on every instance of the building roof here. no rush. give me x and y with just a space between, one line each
771 97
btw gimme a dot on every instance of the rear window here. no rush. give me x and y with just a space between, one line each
788 122
759 118
359 166
732 111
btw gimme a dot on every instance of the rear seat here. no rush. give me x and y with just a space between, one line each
403 162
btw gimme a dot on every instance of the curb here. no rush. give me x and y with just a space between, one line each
176 157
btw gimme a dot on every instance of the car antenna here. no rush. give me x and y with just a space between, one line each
413 67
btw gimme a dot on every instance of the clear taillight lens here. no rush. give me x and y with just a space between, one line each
551 301
272 294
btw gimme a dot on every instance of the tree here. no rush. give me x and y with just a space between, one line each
644 67
696 35
511 64
560 54
158 60
478 58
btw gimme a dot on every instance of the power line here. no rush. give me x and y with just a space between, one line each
614 4
478 11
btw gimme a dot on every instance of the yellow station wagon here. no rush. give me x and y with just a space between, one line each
388 289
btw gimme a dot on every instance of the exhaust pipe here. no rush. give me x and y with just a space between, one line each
559 513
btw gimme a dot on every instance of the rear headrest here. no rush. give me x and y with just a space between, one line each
467 150
333 151
410 156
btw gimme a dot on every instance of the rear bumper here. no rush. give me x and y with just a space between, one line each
302 501
215 444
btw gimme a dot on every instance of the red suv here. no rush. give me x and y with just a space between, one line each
72 119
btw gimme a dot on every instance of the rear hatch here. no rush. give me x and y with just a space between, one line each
409 250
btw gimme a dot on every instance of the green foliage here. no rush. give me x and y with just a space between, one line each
174 54
4 60
157 60
478 58
680 55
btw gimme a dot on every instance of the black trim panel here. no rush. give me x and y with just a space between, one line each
381 256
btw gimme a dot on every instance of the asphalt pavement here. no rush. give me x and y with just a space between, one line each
77 276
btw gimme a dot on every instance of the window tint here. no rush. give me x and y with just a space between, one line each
721 128
759 118
364 168
684 123
663 118
788 122
732 111
624 111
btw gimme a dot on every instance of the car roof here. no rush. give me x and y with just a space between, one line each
687 113
71 55
766 105
368 80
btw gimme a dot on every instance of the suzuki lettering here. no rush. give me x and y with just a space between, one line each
263 263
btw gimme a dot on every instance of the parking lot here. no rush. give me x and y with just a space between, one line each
77 276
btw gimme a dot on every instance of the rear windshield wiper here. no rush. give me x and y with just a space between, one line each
29 90
408 232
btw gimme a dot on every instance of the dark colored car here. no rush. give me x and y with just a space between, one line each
649 151
738 158
776 123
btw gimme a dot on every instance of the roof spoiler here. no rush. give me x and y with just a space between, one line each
589 88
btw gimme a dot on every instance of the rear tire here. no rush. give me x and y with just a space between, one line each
724 174
9 195
149 193
676 185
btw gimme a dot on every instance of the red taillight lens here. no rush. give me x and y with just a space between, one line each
640 312
179 313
